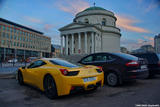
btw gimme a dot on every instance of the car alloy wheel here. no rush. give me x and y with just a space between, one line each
112 79
20 78
50 87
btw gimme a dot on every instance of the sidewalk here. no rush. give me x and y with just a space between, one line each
8 72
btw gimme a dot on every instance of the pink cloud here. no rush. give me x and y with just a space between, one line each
33 20
72 6
127 22
47 27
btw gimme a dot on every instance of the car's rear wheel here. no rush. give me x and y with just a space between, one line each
50 87
20 78
112 79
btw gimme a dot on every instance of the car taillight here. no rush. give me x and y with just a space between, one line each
100 68
64 71
158 63
132 63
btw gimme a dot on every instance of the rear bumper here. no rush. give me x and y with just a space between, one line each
81 88
72 84
136 74
155 70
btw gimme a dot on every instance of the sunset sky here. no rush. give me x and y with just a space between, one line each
139 20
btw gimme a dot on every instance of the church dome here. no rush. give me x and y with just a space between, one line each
94 8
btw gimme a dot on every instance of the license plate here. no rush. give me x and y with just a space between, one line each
89 79
143 66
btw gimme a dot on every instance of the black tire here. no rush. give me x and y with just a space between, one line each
20 78
50 87
112 79
151 75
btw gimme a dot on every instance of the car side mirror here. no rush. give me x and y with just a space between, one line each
79 61
23 67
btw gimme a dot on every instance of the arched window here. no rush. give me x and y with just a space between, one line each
103 21
86 21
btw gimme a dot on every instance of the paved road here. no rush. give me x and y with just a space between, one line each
139 92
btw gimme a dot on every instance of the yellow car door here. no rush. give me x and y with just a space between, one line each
32 72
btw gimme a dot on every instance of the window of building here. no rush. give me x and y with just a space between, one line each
3 34
86 20
14 30
15 37
11 36
7 28
2 42
7 35
11 29
4 28
103 21
14 43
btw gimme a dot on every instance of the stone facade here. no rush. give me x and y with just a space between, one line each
92 30
157 43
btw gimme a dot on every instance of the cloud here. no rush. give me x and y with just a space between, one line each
127 23
135 44
149 40
33 20
48 27
72 6
149 4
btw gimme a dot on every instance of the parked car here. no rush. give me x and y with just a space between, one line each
57 77
117 67
12 60
153 60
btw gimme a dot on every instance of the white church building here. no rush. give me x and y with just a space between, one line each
92 30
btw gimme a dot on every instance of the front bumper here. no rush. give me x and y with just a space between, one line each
72 84
136 74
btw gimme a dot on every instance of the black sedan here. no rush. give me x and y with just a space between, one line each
117 67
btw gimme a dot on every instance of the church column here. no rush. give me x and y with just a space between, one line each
85 40
66 41
72 49
61 44
79 42
92 36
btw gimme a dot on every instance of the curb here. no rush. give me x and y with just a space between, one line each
7 76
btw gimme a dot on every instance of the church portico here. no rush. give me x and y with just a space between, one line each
79 43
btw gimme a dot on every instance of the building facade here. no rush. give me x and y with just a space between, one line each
157 43
92 30
20 42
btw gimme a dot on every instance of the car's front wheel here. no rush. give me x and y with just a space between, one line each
50 87
20 78
112 79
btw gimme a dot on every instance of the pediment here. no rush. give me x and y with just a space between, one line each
72 26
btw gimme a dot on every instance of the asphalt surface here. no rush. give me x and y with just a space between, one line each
128 95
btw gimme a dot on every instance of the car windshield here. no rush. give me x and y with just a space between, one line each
126 56
63 63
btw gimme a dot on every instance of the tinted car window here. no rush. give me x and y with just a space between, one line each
63 63
88 59
126 56
150 57
100 58
36 64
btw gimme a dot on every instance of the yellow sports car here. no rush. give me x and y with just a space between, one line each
57 77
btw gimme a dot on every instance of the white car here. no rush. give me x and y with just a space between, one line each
12 60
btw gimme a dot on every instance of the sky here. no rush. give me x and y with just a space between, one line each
139 20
